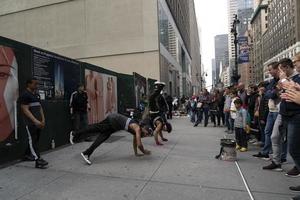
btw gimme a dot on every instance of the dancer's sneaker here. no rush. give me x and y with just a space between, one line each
86 158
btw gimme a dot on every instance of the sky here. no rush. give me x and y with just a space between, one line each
212 20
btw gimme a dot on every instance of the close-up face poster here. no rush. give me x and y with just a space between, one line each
8 91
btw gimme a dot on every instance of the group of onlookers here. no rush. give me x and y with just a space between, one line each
266 114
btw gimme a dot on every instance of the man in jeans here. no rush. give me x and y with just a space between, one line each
279 145
290 112
272 95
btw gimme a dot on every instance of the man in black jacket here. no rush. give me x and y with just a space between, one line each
78 107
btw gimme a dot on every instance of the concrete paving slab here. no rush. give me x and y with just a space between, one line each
266 196
87 187
175 191
18 181
214 173
265 181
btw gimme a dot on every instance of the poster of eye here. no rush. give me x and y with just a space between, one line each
58 76
9 87
102 95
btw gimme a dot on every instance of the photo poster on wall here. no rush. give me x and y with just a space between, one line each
58 76
102 95
140 88
9 92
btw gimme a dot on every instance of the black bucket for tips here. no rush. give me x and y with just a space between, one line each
227 151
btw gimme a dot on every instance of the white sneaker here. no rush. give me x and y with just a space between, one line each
86 159
71 138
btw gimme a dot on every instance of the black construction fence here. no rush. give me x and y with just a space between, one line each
59 76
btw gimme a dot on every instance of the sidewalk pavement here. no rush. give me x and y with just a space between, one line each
182 169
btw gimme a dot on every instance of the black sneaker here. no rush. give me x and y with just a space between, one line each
273 166
296 198
295 188
44 162
86 158
294 173
40 164
262 156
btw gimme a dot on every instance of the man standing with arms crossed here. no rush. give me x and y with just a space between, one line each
34 119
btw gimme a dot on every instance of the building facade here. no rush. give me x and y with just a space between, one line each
196 64
259 26
150 37
221 54
282 38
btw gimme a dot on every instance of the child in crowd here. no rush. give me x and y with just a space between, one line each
234 96
240 124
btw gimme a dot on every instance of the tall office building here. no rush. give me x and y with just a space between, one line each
150 37
221 54
232 11
196 70
213 72
282 38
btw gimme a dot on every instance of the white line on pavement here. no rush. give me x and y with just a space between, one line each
244 180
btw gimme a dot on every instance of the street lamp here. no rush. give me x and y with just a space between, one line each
235 76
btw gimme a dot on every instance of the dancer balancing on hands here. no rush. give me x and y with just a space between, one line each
111 124
157 117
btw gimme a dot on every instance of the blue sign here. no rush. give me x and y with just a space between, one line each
244 50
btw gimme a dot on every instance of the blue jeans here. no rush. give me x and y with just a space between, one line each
206 112
293 128
199 113
227 119
193 116
268 132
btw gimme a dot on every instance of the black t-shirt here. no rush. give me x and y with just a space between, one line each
33 100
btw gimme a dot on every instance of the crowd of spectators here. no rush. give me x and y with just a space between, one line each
266 114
